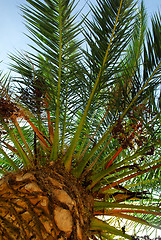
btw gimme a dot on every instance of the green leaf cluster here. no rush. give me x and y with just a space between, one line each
91 103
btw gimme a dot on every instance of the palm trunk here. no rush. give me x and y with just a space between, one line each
44 203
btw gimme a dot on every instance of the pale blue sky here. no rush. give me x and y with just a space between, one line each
12 27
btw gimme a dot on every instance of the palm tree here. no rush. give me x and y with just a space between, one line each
80 124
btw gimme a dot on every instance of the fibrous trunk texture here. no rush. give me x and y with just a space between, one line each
44 203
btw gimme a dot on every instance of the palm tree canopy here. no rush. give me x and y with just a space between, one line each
86 98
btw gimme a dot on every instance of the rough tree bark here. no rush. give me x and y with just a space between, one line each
44 203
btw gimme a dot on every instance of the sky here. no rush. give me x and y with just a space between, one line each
12 27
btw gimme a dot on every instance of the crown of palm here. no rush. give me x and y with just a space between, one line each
94 111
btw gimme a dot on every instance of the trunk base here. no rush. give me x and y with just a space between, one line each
44 203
